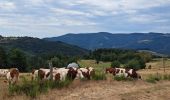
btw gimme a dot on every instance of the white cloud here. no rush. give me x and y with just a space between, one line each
5 5
64 16
60 12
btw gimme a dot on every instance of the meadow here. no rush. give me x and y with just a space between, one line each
153 86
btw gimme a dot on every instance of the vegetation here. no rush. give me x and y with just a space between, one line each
129 58
36 46
26 62
99 76
115 64
122 78
154 78
34 88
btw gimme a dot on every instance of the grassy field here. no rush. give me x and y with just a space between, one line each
105 89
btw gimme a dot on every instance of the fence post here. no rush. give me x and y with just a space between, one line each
51 70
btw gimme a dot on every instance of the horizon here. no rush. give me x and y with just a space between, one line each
89 33
51 18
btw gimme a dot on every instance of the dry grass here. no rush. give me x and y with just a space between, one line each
106 89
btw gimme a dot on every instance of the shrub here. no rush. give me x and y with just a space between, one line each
115 64
166 77
33 88
59 84
99 76
122 78
136 64
154 78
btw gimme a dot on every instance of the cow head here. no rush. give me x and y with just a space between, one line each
72 73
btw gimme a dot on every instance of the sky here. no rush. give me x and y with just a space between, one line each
47 18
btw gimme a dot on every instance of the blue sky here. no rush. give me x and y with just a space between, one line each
46 18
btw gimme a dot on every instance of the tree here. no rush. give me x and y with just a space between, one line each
57 62
145 56
136 64
115 64
17 58
3 58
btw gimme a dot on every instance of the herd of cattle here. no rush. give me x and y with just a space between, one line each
60 74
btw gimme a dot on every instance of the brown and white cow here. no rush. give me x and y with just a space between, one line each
12 76
34 74
123 71
87 72
128 73
110 70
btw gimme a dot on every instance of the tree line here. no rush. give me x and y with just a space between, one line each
118 57
26 62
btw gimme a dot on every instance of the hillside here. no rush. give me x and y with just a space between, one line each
38 46
156 42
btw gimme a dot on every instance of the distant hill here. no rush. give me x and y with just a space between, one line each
39 46
157 42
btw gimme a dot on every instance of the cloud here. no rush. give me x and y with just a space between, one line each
60 11
5 5
64 16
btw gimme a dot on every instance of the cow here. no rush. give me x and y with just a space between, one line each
42 73
110 70
60 74
3 72
126 73
86 72
72 73
12 76
34 74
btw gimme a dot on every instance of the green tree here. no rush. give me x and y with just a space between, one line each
115 64
3 58
17 58
136 64
57 62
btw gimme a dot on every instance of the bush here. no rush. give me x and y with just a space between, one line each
59 84
33 88
166 77
122 78
154 78
115 64
99 76
136 64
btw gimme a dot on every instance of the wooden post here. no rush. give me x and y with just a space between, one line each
51 70
163 63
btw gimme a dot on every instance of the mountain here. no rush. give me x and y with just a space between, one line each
39 46
157 42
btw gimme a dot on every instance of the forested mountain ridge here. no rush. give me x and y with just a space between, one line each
39 46
157 42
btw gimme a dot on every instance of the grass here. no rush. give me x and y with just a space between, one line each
34 88
153 78
122 78
99 76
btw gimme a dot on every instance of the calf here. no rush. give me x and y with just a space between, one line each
12 76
